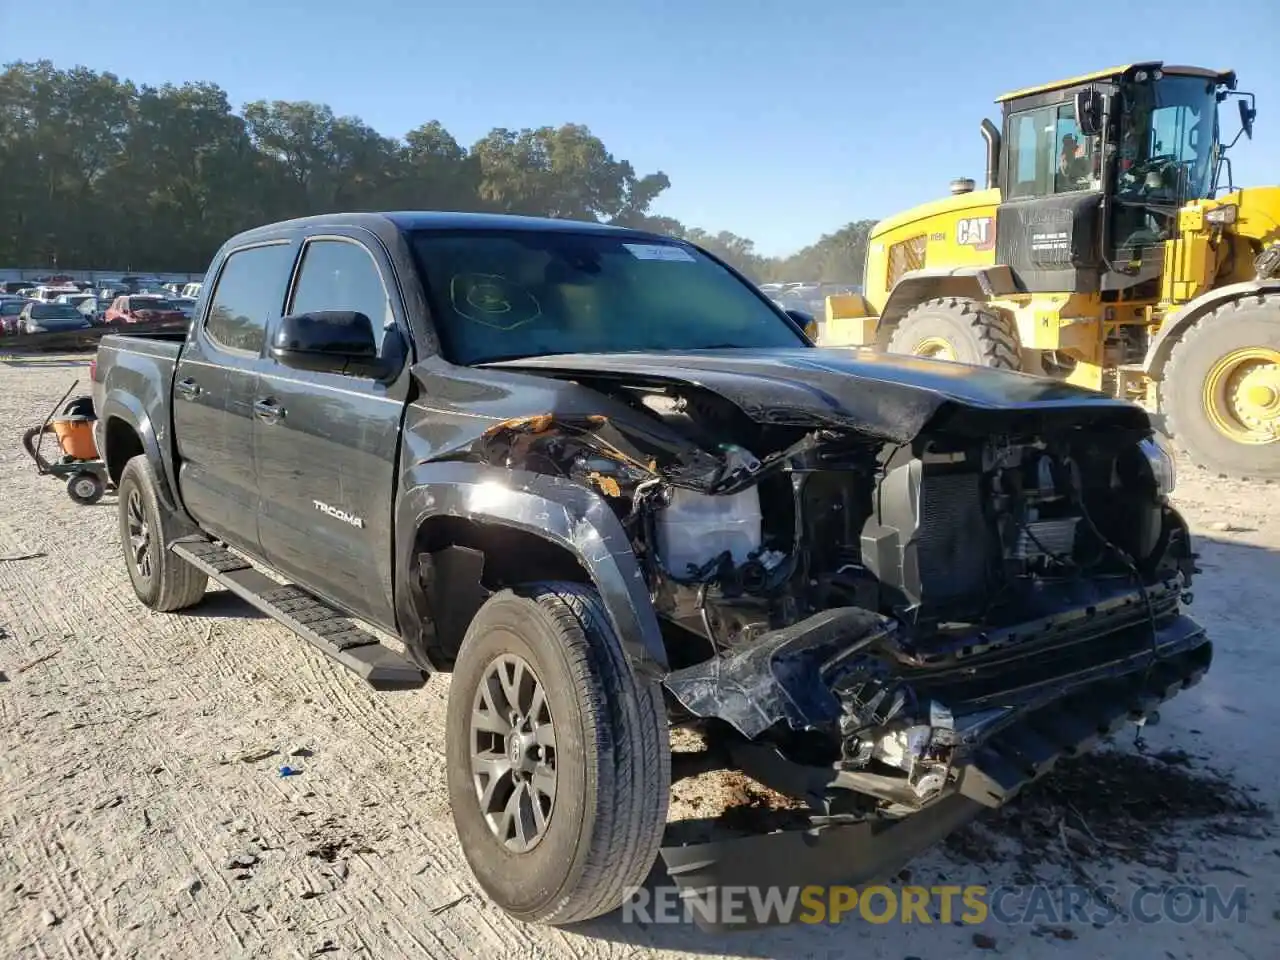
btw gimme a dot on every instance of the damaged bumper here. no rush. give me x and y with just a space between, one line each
1008 734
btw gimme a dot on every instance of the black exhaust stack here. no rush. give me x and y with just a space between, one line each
992 136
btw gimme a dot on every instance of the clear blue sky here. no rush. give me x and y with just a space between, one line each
778 121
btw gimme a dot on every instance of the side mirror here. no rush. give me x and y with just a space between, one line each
328 341
1089 112
1247 115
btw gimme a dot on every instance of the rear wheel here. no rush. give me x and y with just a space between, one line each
162 580
961 330
1221 389
557 756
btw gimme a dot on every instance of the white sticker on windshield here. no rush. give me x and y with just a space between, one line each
659 251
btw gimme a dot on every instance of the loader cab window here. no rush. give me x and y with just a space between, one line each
1050 155
1169 143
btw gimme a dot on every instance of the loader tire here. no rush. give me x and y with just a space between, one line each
1220 391
590 748
161 579
958 329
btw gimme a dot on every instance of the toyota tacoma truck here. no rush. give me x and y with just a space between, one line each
608 484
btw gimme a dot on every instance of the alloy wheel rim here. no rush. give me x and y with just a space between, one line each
513 753
139 535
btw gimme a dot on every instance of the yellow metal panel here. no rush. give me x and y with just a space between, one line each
1221 76
1190 266
1069 82
847 305
947 205
1087 375
849 332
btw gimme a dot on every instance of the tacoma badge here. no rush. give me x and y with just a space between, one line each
337 514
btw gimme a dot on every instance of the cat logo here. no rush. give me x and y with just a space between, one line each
976 232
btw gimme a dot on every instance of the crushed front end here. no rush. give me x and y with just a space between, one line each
899 632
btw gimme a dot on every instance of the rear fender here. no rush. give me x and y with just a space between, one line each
567 515
122 405
1176 324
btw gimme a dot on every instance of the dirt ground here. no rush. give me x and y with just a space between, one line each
144 811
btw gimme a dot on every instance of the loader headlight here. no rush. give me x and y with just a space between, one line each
1222 216
1163 467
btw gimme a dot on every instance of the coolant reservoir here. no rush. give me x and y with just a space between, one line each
695 528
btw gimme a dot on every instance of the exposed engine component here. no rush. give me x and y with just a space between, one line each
696 528
1034 499
928 539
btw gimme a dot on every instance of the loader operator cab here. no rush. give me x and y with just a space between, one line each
1094 171
1110 249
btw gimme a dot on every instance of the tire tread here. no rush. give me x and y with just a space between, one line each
994 330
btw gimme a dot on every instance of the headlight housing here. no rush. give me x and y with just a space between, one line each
1222 216
1163 467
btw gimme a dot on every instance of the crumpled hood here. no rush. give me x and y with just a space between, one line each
887 395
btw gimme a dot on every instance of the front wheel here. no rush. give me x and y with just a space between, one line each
558 756
1221 389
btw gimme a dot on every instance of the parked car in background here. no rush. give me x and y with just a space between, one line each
10 311
13 286
86 303
139 282
49 294
51 318
144 308
186 304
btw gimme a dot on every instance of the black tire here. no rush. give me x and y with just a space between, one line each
85 488
1241 324
168 582
976 333
611 757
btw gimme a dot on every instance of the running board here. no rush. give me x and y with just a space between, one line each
328 630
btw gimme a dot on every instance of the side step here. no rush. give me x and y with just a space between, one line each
330 631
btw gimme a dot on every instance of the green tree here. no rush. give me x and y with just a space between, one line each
97 172
560 172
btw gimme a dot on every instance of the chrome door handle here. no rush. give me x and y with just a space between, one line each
187 389
268 411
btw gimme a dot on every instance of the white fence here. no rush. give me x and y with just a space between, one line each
92 276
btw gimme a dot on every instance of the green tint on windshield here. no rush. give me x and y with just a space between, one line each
506 294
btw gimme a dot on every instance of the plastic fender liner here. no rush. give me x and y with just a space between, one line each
559 510
780 676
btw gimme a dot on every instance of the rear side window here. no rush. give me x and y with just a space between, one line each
337 275
247 296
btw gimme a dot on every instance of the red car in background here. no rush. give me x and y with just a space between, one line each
144 308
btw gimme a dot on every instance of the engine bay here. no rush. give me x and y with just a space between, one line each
870 607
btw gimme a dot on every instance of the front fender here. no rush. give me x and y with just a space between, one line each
1176 324
558 510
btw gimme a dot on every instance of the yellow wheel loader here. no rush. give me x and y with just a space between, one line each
1109 248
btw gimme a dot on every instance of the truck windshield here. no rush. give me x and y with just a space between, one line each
1169 144
500 295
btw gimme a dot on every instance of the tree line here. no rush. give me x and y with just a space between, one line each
97 171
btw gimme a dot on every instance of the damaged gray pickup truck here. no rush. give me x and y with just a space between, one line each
608 484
